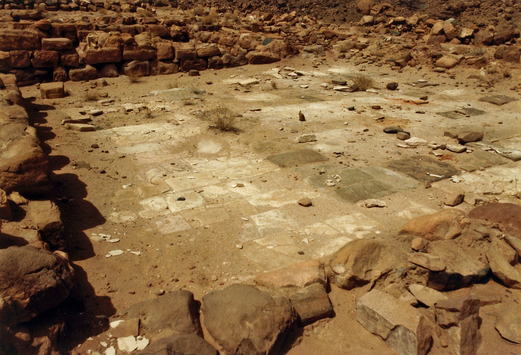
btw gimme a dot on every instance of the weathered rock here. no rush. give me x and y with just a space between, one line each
137 68
258 57
87 73
32 281
311 303
128 327
180 344
354 263
46 217
500 267
470 136
5 209
131 52
56 44
60 74
207 50
454 199
52 90
24 167
176 311
102 55
483 37
109 71
365 6
45 59
447 61
507 214
305 202
306 138
392 86
298 275
20 59
514 242
462 268
19 39
185 51
245 320
165 51
427 261
446 224
508 323
426 295
419 244
459 317
400 325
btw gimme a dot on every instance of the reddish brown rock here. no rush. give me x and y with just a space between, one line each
483 37
365 6
507 214
185 51
109 71
32 281
138 52
21 58
45 59
165 51
70 59
257 57
56 44
311 303
298 275
87 73
103 55
137 68
446 224
19 39
52 90
5 61
205 51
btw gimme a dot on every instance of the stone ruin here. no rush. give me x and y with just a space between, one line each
409 280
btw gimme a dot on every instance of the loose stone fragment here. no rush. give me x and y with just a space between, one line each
454 199
392 86
508 323
426 295
306 202
427 261
306 138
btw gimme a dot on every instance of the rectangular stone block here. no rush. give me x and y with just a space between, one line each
70 59
19 39
400 325
138 52
165 51
87 73
103 55
45 59
185 51
5 61
20 58
52 90
205 51
56 44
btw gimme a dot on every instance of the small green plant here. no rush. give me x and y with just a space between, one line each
222 119
363 82
91 95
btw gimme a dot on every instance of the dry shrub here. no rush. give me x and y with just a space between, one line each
363 82
92 95
223 119
133 77
477 51
172 85
211 18
198 10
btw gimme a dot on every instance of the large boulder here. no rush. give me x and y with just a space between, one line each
353 265
45 217
245 320
32 281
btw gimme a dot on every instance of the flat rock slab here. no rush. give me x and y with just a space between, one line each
480 159
353 185
298 157
507 214
424 168
461 113
508 323
497 99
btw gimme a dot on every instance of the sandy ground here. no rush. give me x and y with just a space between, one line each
193 207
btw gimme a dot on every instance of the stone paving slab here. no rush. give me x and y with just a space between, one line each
353 185
424 168
498 100
299 157
462 113
480 159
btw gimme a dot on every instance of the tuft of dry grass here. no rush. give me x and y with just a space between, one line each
223 119
363 82
91 95
477 51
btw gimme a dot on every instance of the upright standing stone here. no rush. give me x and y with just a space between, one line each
402 327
